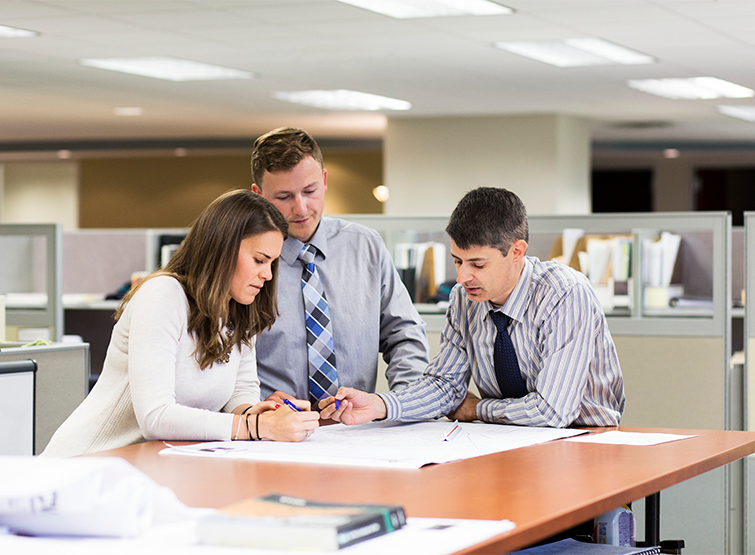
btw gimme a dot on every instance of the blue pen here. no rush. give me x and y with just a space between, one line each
290 405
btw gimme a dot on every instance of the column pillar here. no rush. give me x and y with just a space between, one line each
431 162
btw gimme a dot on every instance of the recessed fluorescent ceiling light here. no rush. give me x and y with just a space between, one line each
13 33
746 113
577 52
171 69
343 100
405 9
693 88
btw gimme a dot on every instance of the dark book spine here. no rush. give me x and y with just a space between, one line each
395 517
364 527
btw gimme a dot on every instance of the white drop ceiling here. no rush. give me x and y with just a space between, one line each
444 67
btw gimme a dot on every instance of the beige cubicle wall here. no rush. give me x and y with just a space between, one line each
681 382
676 380
60 384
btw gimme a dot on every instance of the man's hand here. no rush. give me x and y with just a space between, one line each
354 407
278 396
467 410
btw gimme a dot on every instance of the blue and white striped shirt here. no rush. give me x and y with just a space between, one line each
565 352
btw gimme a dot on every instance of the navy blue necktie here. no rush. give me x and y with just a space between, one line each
504 360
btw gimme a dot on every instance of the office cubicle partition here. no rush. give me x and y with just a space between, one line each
99 261
17 407
98 265
749 324
673 338
749 377
676 360
675 355
31 276
60 383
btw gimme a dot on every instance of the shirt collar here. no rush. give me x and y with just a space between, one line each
292 246
516 304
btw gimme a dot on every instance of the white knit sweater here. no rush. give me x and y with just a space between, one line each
151 386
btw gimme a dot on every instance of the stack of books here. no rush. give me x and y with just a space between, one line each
284 522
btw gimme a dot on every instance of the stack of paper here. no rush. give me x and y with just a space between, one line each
660 259
81 497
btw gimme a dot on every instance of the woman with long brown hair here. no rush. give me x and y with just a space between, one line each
181 361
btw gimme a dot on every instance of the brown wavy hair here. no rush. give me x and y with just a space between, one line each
205 263
281 150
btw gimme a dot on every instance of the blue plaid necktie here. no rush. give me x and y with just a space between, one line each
323 379
504 360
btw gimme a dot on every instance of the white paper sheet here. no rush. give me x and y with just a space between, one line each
670 243
429 536
570 237
629 438
80 496
383 444
598 257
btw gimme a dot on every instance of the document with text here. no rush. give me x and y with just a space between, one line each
384 444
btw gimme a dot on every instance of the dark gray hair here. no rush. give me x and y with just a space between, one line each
489 217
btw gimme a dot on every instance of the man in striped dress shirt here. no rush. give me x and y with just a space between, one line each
566 356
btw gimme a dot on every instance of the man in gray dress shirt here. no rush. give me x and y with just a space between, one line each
370 309
568 370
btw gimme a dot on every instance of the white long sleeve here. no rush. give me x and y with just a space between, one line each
151 386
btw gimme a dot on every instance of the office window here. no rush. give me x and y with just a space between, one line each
622 191
726 189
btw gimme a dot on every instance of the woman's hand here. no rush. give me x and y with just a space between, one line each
263 406
286 424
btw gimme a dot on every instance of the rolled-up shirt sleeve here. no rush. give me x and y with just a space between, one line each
443 386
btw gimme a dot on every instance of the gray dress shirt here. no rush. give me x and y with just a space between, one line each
565 352
370 309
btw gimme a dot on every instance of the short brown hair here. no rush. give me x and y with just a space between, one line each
205 263
281 150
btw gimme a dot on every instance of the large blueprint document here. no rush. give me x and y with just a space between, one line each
384 444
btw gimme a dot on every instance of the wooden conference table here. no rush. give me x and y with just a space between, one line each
544 489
